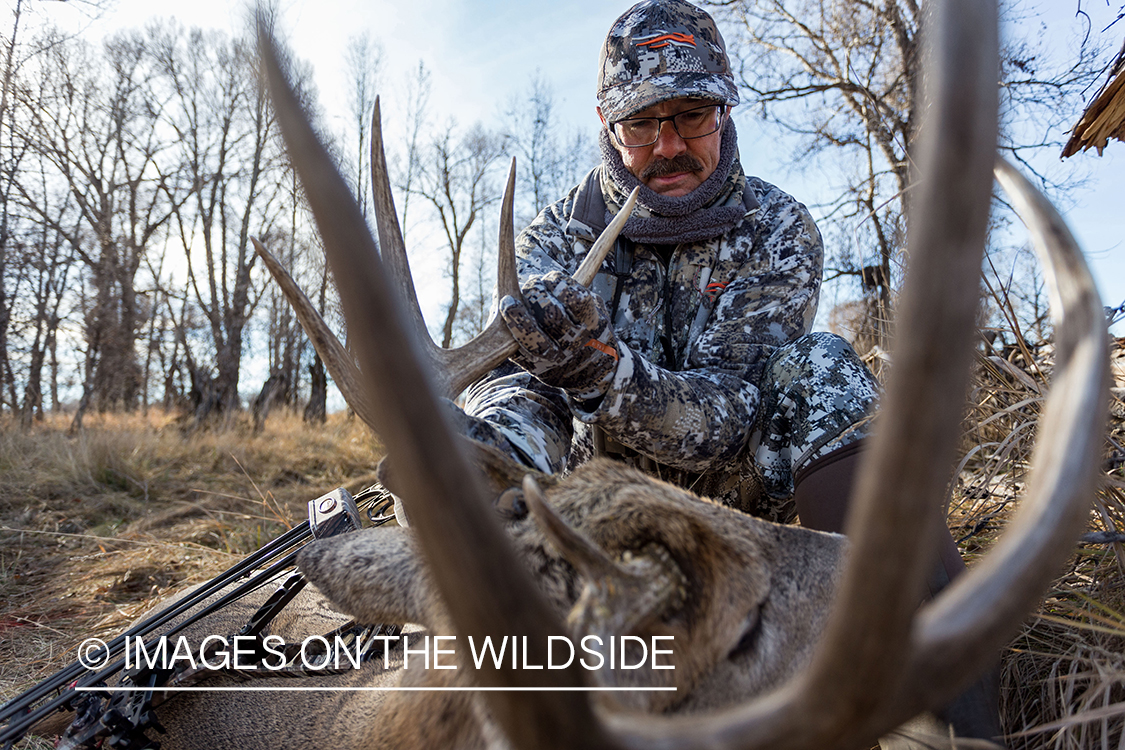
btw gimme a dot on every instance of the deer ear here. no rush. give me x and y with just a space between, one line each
373 575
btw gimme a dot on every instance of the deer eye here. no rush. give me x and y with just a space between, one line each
751 627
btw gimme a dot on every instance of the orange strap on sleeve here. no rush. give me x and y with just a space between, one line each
603 348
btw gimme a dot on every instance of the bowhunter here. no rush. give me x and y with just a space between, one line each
691 355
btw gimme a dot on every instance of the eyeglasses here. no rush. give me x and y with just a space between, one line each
697 122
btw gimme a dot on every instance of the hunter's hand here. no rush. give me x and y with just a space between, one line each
564 335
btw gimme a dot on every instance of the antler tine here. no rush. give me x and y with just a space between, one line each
507 280
392 247
976 616
484 587
335 357
588 269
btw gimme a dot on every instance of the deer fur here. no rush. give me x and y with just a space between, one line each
754 600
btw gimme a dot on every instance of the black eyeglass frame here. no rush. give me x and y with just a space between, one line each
723 109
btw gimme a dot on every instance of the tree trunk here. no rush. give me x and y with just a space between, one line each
53 346
32 392
274 390
317 408
204 397
87 389
5 369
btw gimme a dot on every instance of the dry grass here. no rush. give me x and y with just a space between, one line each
93 528
97 526
1063 680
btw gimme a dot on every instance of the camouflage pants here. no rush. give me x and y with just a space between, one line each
817 396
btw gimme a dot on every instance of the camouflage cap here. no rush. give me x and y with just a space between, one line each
660 50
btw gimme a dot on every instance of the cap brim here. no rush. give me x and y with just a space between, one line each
619 102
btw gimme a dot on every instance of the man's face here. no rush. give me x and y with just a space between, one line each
672 166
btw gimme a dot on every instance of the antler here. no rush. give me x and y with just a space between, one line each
457 368
454 369
980 607
849 694
877 665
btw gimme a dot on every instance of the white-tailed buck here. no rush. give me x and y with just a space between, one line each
777 643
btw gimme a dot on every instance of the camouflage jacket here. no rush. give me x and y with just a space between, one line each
695 324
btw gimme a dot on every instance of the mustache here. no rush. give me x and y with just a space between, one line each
679 163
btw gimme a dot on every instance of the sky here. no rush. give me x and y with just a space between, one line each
481 53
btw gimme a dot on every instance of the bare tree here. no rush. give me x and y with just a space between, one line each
417 107
285 344
175 361
97 123
16 54
8 165
47 266
532 129
154 340
454 179
316 410
226 133
478 284
843 78
363 60
288 343
363 63
550 160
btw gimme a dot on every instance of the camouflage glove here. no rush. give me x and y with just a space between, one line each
564 335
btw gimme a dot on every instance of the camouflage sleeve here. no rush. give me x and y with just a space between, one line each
522 416
699 418
772 297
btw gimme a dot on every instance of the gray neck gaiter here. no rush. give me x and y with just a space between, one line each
702 214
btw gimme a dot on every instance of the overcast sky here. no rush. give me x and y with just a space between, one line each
481 53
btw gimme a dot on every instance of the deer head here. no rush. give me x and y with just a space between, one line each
881 659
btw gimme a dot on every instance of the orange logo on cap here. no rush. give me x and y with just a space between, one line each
663 40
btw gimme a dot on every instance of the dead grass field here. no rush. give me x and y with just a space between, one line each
95 528
1063 677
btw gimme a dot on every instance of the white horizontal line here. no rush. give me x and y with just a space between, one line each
301 689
